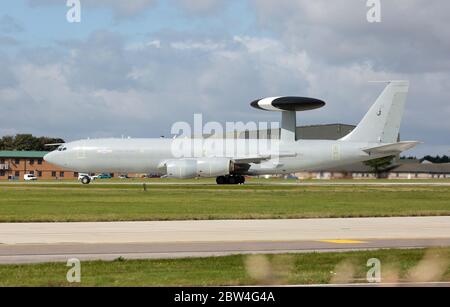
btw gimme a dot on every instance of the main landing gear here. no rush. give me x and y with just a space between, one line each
230 179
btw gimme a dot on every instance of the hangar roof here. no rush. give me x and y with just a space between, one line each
22 154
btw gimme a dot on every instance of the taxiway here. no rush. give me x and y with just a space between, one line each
48 242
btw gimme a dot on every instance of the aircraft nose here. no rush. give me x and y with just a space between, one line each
50 157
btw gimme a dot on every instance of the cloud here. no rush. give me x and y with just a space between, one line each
201 7
7 41
412 42
121 9
99 62
207 45
7 78
412 37
143 45
130 9
10 25
99 82
102 87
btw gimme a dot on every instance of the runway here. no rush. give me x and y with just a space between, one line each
259 183
48 242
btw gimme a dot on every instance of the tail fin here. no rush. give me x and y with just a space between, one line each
382 123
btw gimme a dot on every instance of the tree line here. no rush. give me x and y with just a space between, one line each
433 159
28 142
437 159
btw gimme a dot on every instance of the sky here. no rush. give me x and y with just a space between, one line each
133 68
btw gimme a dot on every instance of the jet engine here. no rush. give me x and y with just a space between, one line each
202 167
214 167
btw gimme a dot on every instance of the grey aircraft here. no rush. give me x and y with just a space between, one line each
376 136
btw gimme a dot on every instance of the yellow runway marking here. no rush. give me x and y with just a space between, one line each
343 241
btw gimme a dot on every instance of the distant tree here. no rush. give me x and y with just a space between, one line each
380 165
437 159
27 142
7 143
42 141
408 158
24 142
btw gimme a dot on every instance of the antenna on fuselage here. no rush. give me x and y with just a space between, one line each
288 106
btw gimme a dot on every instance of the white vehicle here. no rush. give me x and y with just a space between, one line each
376 136
85 178
29 177
81 175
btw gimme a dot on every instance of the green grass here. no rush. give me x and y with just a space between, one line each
396 265
100 202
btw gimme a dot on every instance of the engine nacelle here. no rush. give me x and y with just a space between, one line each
181 169
203 167
214 167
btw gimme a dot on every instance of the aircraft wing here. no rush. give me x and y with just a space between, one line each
256 159
392 148
261 158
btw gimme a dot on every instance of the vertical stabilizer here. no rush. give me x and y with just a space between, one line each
382 123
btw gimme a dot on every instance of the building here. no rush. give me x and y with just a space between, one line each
424 170
15 164
324 132
313 132
400 169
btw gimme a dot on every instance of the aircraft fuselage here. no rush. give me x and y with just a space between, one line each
148 156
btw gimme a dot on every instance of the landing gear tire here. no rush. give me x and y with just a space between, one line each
85 180
230 179
221 180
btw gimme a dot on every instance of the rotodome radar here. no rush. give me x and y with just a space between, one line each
287 104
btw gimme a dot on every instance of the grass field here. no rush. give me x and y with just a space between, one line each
116 202
396 265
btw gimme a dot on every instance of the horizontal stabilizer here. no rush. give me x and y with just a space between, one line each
392 148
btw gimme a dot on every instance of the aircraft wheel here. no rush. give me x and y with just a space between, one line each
241 179
232 180
221 180
85 180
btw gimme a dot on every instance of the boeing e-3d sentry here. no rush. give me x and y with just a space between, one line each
376 136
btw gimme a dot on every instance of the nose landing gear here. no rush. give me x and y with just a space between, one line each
85 180
230 179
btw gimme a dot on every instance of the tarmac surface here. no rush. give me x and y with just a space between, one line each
258 183
52 242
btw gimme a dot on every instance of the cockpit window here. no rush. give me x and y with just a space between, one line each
62 148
